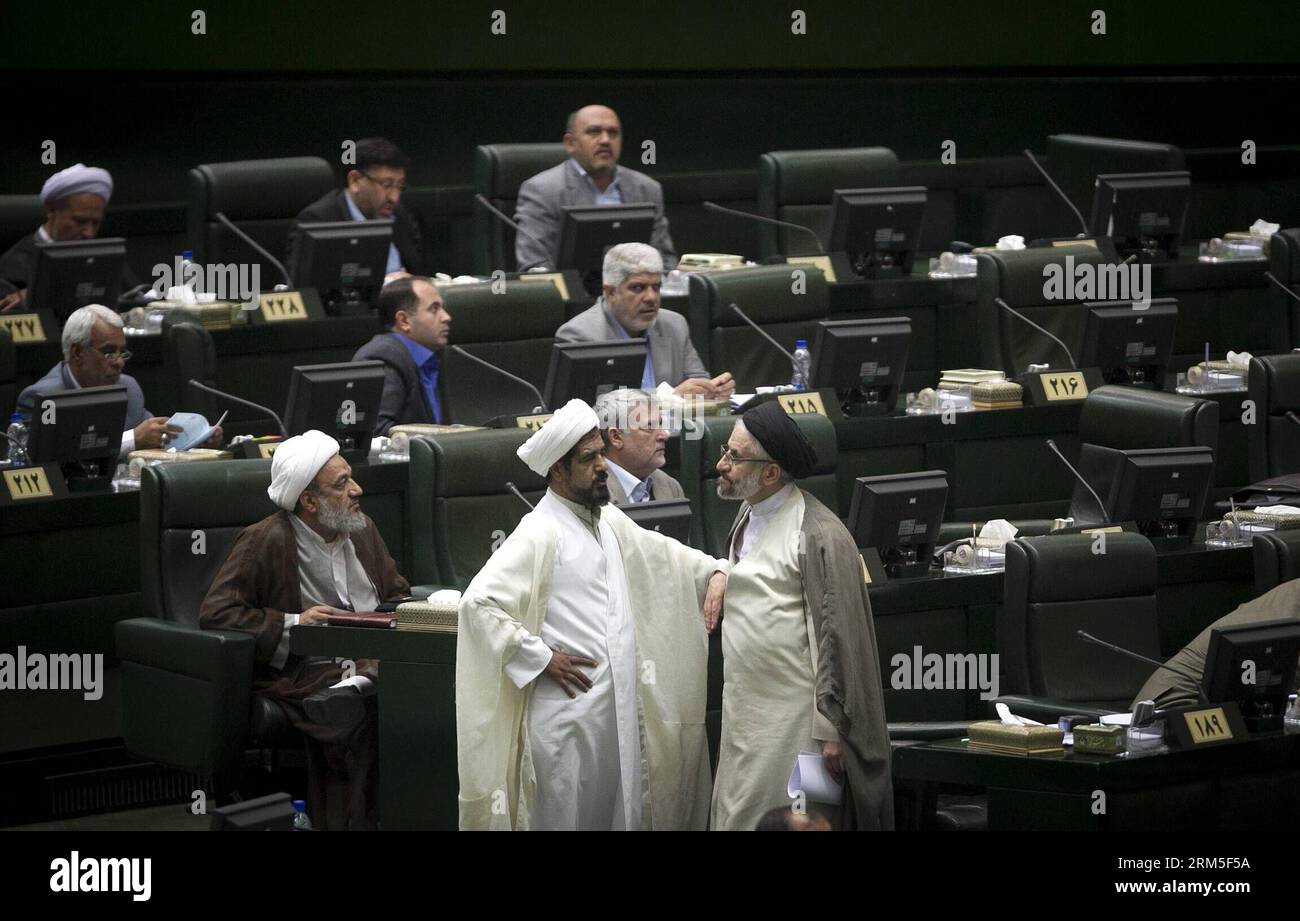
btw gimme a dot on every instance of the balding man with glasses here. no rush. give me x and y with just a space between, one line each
94 354
373 191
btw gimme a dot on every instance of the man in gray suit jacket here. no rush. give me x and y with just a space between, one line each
634 448
594 139
94 354
629 308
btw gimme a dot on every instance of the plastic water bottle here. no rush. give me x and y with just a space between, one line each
802 365
189 271
300 820
17 456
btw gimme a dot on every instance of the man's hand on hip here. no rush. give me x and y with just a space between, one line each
563 670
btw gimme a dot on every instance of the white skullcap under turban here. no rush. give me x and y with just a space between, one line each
76 180
294 466
560 433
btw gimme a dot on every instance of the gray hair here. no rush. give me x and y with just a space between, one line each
630 259
615 407
77 328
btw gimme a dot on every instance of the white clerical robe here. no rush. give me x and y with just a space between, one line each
633 751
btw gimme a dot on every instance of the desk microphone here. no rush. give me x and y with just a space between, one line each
501 216
1056 188
515 489
762 332
240 400
1105 516
1088 637
541 404
1293 417
710 206
1016 313
1289 293
279 266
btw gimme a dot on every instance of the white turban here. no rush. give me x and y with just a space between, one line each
76 180
294 466
560 433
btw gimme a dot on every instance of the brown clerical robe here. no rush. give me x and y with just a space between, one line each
256 586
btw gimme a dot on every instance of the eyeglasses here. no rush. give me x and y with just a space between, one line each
110 353
732 458
387 184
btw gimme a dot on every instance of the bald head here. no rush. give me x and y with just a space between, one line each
593 137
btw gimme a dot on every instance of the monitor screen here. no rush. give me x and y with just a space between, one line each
588 231
899 515
878 228
1164 490
864 360
68 276
1130 344
79 427
670 517
1267 652
345 261
1075 160
586 370
1143 213
341 400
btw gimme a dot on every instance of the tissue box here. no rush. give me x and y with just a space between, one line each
1100 740
996 736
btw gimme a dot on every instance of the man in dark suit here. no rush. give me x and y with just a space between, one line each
418 326
374 190
593 138
634 448
629 307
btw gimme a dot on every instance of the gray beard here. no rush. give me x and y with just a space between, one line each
337 518
743 488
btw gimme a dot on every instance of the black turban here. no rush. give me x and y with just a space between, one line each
781 438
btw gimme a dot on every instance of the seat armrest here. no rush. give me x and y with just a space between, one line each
208 655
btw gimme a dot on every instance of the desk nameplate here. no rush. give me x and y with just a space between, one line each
27 484
802 401
28 328
555 278
533 421
1203 726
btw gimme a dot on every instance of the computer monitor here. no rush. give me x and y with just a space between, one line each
1130 344
1074 161
1163 490
341 400
1143 213
670 517
878 228
864 360
586 370
588 231
1267 652
81 430
899 516
345 261
68 276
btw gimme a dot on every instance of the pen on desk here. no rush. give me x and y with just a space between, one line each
217 424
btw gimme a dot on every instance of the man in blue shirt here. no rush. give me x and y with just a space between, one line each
417 328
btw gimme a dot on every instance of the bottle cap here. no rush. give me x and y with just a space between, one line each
300 805
801 343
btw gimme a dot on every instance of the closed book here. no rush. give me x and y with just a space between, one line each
993 735
971 375
363 619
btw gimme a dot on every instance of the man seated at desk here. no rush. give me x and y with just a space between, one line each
418 326
1168 689
319 555
634 448
632 275
94 354
75 200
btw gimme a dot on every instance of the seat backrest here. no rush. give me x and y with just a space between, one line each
702 446
189 354
1075 160
1284 310
499 171
797 186
786 300
190 516
8 376
1129 418
1277 558
1009 344
1058 584
261 196
1273 441
20 215
514 329
461 510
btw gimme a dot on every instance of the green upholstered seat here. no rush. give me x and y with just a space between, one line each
1274 440
499 171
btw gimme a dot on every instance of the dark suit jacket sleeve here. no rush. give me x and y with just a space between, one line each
538 218
406 236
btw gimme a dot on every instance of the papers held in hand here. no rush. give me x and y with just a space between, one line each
809 776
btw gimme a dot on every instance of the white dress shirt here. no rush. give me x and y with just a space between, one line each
760 516
637 491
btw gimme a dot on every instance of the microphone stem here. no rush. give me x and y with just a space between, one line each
1017 313
279 266
515 489
1065 198
230 396
504 373
762 332
1289 293
1085 635
710 206
1105 515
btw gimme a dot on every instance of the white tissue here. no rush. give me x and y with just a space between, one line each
1010 719
1263 228
1011 241
445 596
998 529
1239 359
1278 510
